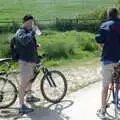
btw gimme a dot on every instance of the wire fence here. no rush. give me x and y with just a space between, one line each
59 24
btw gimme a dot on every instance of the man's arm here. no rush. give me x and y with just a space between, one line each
101 35
24 38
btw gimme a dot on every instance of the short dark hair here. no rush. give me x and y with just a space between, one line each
28 17
112 13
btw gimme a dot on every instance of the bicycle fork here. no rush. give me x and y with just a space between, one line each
49 77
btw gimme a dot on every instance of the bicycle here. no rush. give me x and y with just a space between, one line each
53 84
113 91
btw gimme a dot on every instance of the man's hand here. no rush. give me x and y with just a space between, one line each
39 46
34 28
101 46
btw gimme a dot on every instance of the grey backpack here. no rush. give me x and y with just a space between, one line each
13 49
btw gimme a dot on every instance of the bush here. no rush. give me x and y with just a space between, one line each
86 41
99 14
68 44
14 27
59 50
118 1
64 24
77 24
4 45
59 45
7 27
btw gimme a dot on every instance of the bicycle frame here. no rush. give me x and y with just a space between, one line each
46 73
114 88
39 67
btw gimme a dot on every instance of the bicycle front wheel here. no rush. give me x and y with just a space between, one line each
8 93
54 86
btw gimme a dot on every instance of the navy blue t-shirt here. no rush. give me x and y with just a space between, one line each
109 35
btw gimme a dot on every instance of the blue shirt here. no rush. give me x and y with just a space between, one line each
109 35
106 62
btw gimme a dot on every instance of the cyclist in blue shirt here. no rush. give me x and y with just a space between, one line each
108 37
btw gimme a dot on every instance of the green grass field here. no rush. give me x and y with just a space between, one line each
43 9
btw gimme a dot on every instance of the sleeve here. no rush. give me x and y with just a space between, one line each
24 38
101 35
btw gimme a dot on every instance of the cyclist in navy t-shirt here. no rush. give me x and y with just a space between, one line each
108 37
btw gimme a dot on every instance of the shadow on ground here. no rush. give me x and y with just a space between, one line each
47 112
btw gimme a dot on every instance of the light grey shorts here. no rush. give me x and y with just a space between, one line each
106 73
26 70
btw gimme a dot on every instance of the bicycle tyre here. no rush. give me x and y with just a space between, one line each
7 83
116 100
43 90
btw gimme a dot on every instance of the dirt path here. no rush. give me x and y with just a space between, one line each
80 105
78 76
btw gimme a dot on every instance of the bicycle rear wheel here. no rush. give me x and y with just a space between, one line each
116 100
54 86
8 93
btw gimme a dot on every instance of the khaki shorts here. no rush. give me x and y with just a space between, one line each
106 73
26 70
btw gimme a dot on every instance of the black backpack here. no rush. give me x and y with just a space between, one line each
13 49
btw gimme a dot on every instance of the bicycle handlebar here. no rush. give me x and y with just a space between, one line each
40 57
43 55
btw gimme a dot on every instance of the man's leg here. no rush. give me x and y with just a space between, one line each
29 86
22 89
104 98
30 97
24 83
106 80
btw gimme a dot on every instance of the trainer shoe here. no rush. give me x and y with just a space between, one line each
32 99
101 114
25 110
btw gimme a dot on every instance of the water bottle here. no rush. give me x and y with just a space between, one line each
36 29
